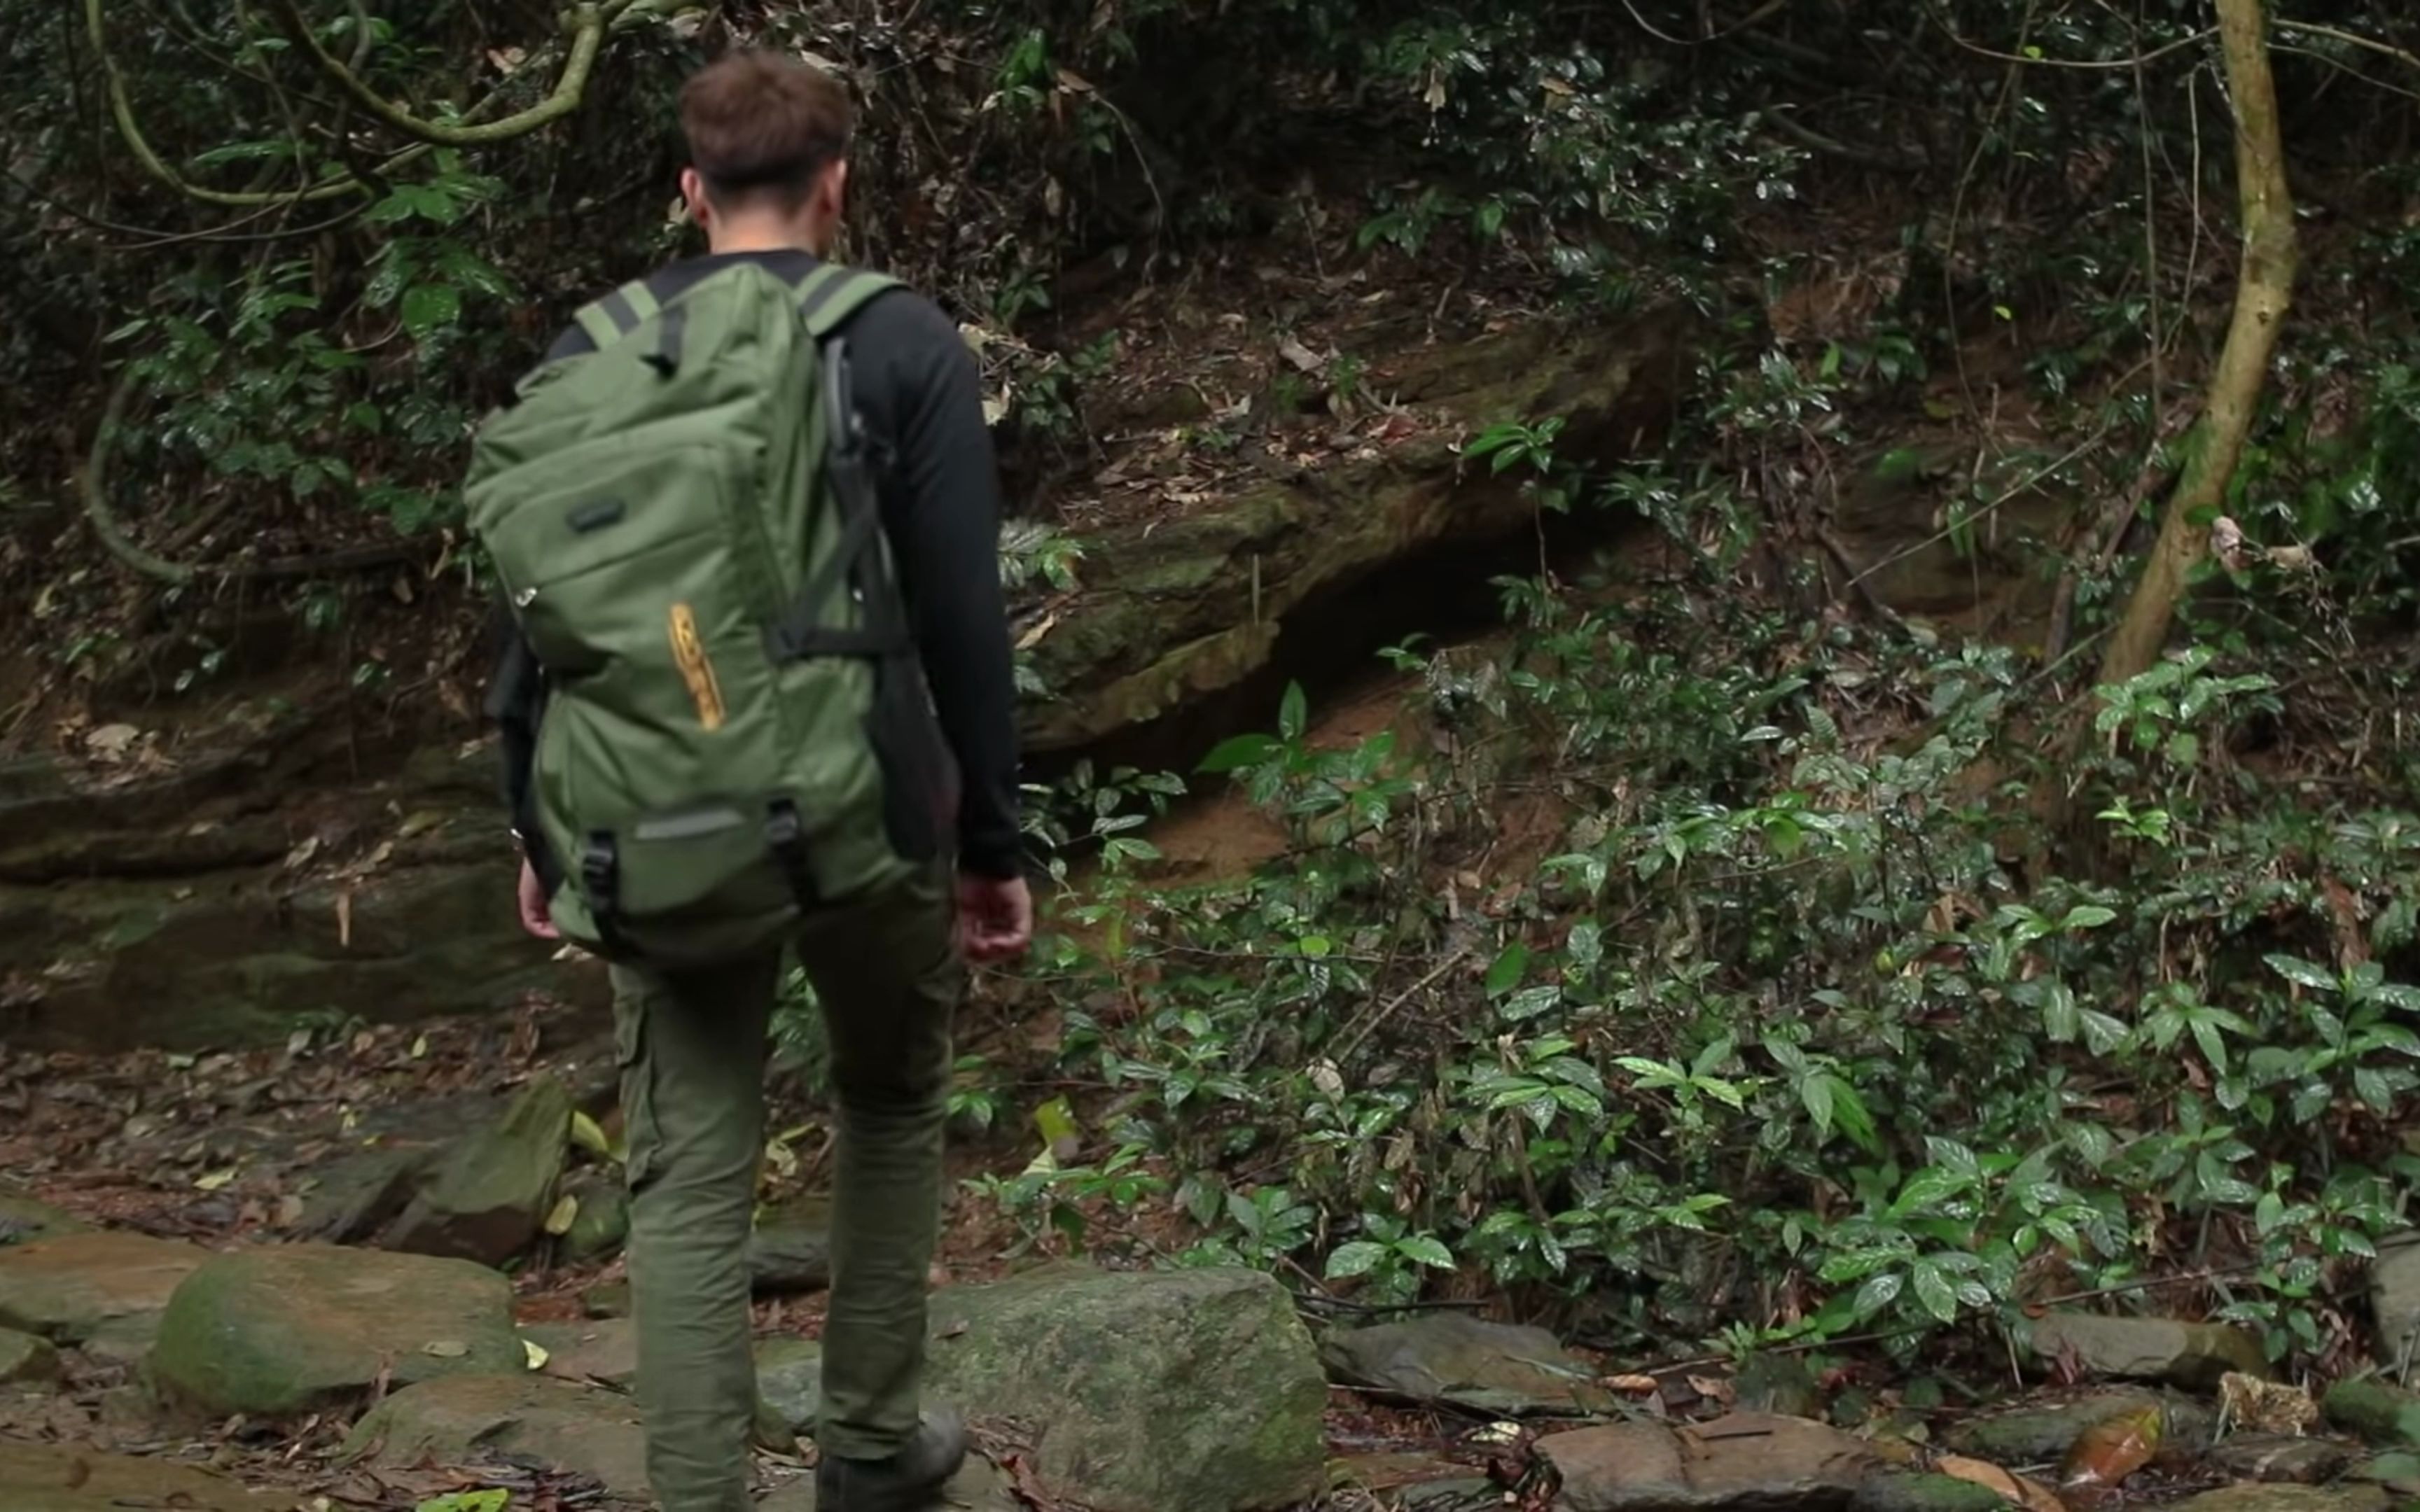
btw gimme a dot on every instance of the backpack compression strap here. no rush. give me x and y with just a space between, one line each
827 299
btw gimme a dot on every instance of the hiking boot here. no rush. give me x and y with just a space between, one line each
908 1481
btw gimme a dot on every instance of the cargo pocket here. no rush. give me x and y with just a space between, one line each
919 783
639 1136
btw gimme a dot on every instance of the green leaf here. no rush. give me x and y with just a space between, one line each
430 307
1932 1289
1507 972
1236 755
2302 973
2091 915
470 1501
1358 1259
1427 1251
1531 1001
1879 1293
1293 713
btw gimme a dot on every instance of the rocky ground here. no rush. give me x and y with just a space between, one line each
378 1272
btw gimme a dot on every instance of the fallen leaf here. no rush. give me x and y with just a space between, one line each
537 1353
1302 357
565 1212
2106 1453
493 1501
344 920
420 1048
2016 1489
213 1181
112 740
446 1350
588 1135
1634 1385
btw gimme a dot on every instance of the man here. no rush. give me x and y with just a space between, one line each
768 139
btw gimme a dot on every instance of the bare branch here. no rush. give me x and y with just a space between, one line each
2409 59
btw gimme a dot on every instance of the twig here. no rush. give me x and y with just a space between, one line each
1353 1042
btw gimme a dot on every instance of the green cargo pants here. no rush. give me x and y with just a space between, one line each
692 1050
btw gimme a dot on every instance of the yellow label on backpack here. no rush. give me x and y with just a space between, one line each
698 672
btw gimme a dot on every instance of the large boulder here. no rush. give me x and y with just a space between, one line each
1179 1391
488 1198
99 1289
276 1331
1747 1463
463 1420
1200 597
59 1477
2195 1356
1467 1362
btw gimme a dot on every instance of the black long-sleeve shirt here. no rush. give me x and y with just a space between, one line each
916 385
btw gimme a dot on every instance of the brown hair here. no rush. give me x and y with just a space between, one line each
763 125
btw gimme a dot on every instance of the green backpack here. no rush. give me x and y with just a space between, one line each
737 729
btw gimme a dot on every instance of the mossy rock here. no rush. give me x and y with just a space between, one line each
305 1328
1181 1390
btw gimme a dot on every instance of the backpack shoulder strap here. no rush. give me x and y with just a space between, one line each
613 317
830 295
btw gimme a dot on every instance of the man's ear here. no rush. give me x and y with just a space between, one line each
835 188
693 188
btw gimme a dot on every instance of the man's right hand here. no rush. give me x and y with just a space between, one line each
534 918
995 917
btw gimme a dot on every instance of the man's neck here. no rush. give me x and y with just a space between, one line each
764 236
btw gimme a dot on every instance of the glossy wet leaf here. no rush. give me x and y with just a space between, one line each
2106 1454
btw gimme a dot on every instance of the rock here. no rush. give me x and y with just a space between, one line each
2394 1302
58 1477
24 1357
158 961
607 1299
2041 1432
790 1381
1178 1390
1900 1490
1744 1463
2397 1469
602 1224
488 1198
1163 633
277 1331
24 1220
2388 1416
2280 1457
2191 1355
462 1420
604 1350
349 1201
2287 1499
1466 1362
79 1288
979 1488
791 1250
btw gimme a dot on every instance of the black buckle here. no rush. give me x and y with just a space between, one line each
787 835
601 876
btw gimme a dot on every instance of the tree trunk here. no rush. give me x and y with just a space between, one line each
2263 291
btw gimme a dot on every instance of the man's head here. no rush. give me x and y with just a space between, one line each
768 153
